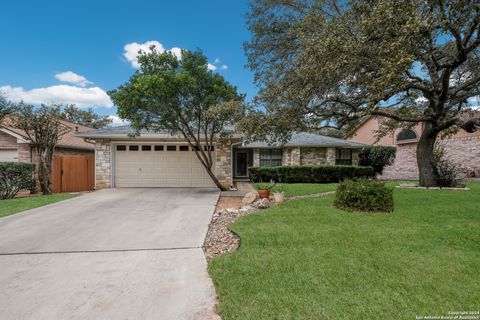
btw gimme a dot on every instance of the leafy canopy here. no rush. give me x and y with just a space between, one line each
324 63
86 117
181 96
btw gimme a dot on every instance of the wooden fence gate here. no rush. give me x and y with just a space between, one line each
73 173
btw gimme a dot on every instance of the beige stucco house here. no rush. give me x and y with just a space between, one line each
462 148
158 159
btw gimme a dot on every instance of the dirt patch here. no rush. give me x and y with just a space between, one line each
229 202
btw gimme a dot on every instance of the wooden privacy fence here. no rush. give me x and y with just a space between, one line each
73 173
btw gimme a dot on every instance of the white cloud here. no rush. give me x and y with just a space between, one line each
117 121
72 77
224 67
60 94
217 61
131 51
211 67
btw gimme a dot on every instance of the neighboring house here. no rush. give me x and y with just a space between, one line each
158 159
14 145
462 148
72 167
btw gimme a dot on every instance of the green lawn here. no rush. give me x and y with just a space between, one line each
306 260
11 206
299 189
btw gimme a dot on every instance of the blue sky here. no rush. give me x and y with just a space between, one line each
61 51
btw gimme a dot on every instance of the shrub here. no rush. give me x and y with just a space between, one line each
14 177
364 195
449 172
309 174
377 157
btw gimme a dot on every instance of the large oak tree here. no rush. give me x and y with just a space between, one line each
331 62
183 97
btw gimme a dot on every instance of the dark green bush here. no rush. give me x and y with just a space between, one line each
14 177
309 174
364 195
377 157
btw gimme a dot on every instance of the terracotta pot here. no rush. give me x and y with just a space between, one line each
264 193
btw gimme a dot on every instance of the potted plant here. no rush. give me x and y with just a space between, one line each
279 195
264 190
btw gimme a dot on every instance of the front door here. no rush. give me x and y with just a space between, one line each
242 162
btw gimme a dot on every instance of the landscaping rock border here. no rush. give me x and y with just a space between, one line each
220 239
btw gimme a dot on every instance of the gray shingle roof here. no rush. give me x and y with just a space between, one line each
306 139
301 139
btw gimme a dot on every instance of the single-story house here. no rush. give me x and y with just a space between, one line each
158 159
14 144
461 147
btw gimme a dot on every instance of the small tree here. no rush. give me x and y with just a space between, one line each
43 127
183 97
86 118
377 157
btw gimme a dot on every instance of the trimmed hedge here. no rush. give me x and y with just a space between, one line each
14 177
309 174
364 195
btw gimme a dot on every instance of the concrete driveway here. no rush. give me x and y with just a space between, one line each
111 254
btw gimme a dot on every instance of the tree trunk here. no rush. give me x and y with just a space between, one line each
428 174
45 171
208 168
215 179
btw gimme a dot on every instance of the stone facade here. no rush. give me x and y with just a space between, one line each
306 156
313 156
102 164
223 167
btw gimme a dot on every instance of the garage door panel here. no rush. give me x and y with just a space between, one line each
159 169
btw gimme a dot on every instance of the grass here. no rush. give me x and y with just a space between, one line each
305 259
11 206
300 189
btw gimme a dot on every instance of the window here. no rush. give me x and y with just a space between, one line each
212 148
132 148
270 157
406 134
158 148
122 148
183 148
146 148
196 148
171 148
343 157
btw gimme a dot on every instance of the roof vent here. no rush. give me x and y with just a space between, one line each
76 128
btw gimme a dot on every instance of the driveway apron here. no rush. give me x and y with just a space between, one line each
111 254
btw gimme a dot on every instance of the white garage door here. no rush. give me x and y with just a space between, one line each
8 155
158 165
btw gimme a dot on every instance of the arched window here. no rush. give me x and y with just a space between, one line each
406 134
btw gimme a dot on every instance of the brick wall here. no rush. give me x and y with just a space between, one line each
466 152
463 150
